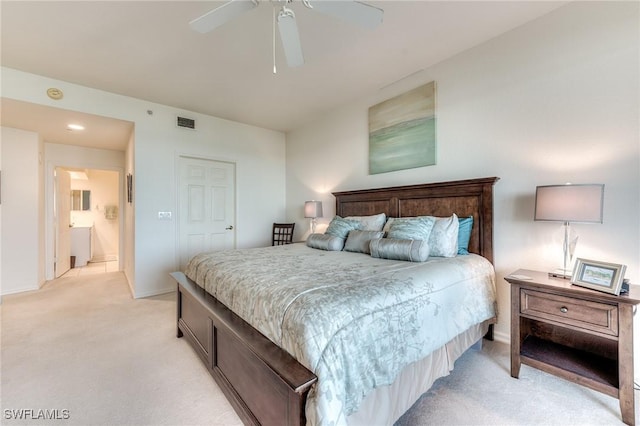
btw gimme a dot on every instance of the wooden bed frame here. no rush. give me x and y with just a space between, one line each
264 383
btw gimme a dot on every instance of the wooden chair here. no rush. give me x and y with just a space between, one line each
282 233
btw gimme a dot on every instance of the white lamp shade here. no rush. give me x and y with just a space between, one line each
313 209
570 203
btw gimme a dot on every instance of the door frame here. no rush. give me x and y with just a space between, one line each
58 172
178 157
49 225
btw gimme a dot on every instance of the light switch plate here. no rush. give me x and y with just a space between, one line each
164 215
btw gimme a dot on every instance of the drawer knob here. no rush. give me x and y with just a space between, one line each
564 310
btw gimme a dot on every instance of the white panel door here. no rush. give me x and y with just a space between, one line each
206 196
62 206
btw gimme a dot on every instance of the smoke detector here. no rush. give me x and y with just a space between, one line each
55 93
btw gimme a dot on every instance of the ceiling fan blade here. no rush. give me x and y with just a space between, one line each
351 11
290 37
221 15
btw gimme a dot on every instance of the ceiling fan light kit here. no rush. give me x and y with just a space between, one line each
350 11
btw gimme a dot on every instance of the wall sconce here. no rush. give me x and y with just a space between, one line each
313 210
569 203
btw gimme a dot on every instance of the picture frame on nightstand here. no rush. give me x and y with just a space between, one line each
602 276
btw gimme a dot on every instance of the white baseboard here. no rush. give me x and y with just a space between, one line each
104 258
501 337
156 292
19 290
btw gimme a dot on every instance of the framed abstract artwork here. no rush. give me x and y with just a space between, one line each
402 131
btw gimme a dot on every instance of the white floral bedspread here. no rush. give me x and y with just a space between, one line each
354 320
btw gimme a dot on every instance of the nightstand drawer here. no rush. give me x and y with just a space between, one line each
593 316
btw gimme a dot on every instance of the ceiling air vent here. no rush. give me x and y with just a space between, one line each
187 123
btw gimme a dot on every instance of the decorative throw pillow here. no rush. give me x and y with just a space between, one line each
370 223
358 241
443 240
418 228
464 234
325 242
339 227
389 248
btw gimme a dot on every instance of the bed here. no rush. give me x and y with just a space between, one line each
289 371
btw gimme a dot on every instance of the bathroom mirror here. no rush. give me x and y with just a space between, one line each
80 199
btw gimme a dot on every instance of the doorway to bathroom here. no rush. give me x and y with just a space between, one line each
87 220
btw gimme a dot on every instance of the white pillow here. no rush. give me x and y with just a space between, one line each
388 224
374 222
443 240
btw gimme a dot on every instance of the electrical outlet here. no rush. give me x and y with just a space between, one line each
164 215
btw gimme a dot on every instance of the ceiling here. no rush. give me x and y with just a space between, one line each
51 124
146 50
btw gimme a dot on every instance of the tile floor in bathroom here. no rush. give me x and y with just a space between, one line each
92 268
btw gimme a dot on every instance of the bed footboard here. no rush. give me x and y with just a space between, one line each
265 384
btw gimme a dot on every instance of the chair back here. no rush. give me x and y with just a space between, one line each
282 233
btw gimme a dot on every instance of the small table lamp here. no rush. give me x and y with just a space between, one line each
313 210
569 203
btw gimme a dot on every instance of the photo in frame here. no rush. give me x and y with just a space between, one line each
602 276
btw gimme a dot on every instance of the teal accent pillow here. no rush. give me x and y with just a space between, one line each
340 227
418 228
465 225
325 242
389 248
358 241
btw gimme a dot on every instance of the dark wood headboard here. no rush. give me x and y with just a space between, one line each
472 197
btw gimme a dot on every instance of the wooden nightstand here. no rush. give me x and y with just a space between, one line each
579 334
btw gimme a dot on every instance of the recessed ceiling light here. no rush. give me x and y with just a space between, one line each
75 127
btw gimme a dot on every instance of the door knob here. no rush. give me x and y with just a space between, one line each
230 227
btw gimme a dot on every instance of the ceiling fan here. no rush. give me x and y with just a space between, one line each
348 10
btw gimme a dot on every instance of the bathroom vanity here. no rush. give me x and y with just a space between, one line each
81 244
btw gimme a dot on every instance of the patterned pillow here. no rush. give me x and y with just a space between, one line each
418 228
443 240
340 227
358 241
370 223
325 242
389 248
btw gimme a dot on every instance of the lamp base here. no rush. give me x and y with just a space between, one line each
564 274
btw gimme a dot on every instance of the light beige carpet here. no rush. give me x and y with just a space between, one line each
85 346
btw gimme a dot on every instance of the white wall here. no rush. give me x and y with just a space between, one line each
551 102
258 153
22 217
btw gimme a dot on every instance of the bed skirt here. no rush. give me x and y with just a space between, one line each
386 404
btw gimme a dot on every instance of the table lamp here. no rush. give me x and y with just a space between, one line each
313 210
569 203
